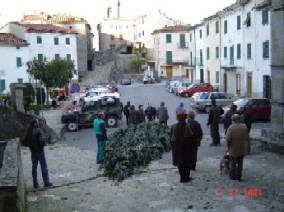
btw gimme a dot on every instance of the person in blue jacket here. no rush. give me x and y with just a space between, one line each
101 134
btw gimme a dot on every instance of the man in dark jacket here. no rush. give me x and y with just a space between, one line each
126 109
228 116
141 114
34 140
162 114
183 147
213 122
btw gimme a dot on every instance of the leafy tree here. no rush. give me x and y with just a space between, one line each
137 63
55 73
29 95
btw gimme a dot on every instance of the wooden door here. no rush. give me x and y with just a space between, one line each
169 70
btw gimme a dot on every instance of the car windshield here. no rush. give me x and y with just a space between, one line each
204 95
193 85
241 102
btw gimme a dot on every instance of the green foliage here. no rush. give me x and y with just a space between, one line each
40 95
29 95
137 63
136 146
38 107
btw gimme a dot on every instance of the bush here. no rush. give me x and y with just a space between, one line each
129 149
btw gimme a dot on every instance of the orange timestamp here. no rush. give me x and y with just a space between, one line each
247 192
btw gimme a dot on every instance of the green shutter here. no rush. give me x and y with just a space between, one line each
217 52
182 40
239 51
207 29
232 55
264 17
38 39
191 62
217 77
208 53
169 56
168 38
19 61
56 41
201 57
217 27
225 27
20 80
248 51
67 41
57 56
225 52
2 85
238 22
265 49
40 57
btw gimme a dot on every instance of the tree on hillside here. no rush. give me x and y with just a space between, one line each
55 73
137 63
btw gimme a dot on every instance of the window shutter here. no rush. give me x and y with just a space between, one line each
19 62
239 51
182 40
225 52
2 85
248 51
238 22
168 38
217 27
169 56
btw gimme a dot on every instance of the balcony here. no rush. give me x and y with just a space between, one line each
178 60
228 63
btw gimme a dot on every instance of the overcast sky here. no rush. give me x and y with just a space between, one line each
189 11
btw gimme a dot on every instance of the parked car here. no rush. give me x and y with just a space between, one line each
85 115
196 87
125 80
173 84
202 100
259 108
182 85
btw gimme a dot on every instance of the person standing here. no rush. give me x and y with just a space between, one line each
35 141
150 113
183 147
133 115
213 122
180 108
101 134
228 116
141 114
162 114
247 120
126 109
197 130
237 138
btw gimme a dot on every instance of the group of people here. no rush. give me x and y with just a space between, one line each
134 116
185 137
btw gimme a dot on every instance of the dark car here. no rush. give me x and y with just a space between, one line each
84 116
194 88
258 108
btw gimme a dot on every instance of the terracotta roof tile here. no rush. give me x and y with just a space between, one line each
46 28
7 38
176 28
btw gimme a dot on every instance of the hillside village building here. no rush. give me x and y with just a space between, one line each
45 40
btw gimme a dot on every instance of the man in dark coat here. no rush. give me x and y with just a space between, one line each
141 114
228 116
162 114
126 109
213 122
183 147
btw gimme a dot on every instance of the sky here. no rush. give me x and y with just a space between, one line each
189 11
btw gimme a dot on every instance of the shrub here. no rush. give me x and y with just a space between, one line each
134 147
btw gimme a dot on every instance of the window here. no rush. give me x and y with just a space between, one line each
217 77
201 57
225 52
190 37
217 52
121 36
169 56
239 51
208 53
18 47
264 17
2 85
67 41
247 21
249 51
19 62
225 27
238 22
168 38
112 37
207 29
38 39
143 33
57 56
182 40
200 33
265 49
40 57
56 41
217 27
232 55
68 56
191 62
20 80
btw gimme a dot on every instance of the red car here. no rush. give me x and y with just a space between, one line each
194 88
259 108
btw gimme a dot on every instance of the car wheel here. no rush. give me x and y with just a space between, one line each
71 126
111 121
207 109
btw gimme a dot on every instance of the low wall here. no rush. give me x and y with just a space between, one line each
12 189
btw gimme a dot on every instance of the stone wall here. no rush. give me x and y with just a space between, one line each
12 188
